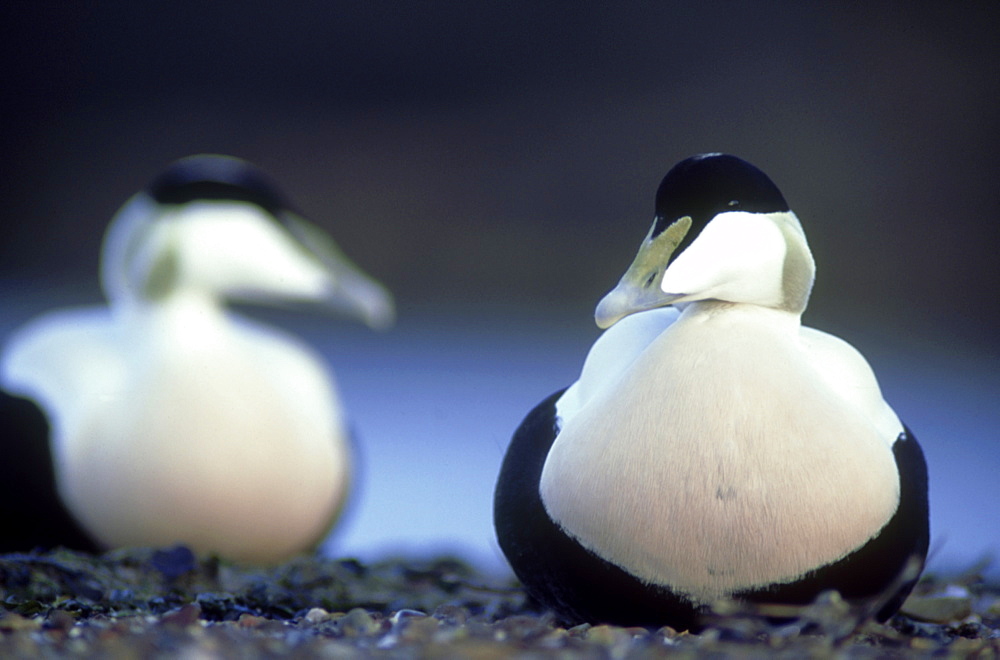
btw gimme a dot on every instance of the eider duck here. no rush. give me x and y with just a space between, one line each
713 448
175 420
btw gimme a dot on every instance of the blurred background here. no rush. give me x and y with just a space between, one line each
494 164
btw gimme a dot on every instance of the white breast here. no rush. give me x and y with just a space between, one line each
611 355
190 428
721 459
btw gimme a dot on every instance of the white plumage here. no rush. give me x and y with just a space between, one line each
713 447
724 394
175 420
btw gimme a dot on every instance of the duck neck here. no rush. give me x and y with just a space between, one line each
189 315
705 309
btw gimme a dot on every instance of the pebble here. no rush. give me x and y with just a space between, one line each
334 609
188 615
937 609
317 615
357 622
14 622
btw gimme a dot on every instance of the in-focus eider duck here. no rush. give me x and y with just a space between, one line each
713 447
175 420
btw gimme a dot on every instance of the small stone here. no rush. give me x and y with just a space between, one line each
12 621
937 609
922 644
183 617
250 621
604 635
59 620
317 615
358 622
966 648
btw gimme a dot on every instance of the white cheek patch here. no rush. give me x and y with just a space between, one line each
236 248
738 257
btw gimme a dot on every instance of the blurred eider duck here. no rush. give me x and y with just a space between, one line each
175 420
713 448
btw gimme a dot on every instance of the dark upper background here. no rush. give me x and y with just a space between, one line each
509 152
502 158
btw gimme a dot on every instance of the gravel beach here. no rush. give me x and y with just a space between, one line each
165 603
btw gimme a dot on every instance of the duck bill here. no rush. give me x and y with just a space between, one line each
639 288
629 298
348 290
355 294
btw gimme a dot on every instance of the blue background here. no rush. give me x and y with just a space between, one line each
494 165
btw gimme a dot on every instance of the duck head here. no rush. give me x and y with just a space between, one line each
218 227
722 231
